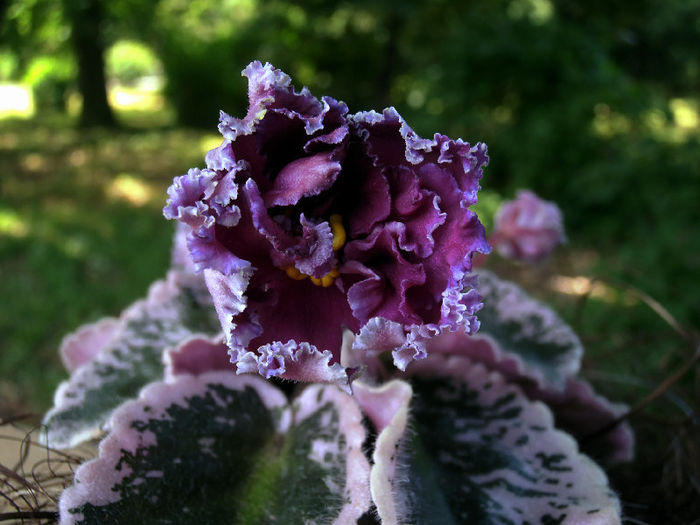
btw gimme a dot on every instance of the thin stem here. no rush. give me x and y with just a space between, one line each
30 514
657 392
656 306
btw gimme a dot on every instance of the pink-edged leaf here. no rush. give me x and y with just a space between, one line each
519 336
82 346
222 448
478 451
196 356
328 423
174 310
580 411
387 407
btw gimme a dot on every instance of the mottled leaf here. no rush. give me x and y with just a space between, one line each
519 336
479 452
580 411
84 344
174 310
387 407
218 448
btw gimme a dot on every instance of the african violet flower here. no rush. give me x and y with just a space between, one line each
527 228
308 221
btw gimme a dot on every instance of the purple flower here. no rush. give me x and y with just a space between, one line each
308 220
527 228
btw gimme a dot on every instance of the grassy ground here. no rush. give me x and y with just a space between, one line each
82 236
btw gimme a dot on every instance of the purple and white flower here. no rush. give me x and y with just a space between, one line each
308 221
527 228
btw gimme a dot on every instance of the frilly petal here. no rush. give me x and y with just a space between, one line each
385 125
460 303
184 199
311 253
303 177
408 343
383 291
221 158
293 361
228 294
207 252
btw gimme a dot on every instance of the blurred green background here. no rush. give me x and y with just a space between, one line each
594 105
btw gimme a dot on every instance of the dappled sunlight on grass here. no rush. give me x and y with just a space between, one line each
12 224
16 100
127 188
209 142
81 234
678 124
582 285
121 97
685 113
139 106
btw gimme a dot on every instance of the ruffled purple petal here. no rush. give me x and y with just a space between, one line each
311 252
185 199
221 158
293 361
387 277
228 294
221 196
303 177
207 252
267 209
379 130
459 306
417 208
370 199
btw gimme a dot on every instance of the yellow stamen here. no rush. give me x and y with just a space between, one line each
329 278
295 274
339 236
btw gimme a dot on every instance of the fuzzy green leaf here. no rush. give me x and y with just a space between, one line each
224 449
519 336
478 451
174 310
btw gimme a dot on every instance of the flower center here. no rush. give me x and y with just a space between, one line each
339 238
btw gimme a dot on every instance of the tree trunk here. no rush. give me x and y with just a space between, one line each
85 17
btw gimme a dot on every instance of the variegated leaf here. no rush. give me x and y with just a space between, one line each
580 411
220 448
532 346
387 407
174 310
478 451
519 336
